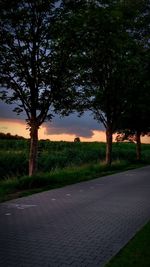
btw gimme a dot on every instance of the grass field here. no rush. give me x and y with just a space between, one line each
59 164
59 155
136 253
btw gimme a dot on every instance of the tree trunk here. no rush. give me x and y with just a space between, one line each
33 149
138 145
108 146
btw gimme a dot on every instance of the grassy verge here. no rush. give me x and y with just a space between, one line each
11 188
136 253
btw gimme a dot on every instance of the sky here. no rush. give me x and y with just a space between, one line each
65 129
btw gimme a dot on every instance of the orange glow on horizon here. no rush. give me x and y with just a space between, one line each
16 126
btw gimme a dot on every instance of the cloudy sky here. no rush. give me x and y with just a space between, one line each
66 128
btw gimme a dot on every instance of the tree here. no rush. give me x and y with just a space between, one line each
34 64
106 60
135 121
77 140
10 136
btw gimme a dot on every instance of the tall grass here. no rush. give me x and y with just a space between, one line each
59 155
19 186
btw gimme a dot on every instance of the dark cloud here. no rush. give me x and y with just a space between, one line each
80 126
6 112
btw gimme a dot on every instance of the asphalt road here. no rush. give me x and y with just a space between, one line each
78 225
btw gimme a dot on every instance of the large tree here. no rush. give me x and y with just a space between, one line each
135 121
106 62
34 63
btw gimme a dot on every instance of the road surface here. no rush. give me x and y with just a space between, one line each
79 225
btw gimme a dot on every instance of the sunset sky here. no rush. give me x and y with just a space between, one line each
65 129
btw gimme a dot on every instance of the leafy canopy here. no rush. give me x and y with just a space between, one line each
34 61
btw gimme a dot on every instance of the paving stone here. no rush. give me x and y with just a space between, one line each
81 225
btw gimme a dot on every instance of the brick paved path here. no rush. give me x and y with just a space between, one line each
78 225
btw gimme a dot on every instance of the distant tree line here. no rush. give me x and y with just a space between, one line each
58 57
11 137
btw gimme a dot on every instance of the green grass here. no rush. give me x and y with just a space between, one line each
60 163
20 186
136 253
59 155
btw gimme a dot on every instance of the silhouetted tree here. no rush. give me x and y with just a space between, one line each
34 63
106 59
77 139
135 121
